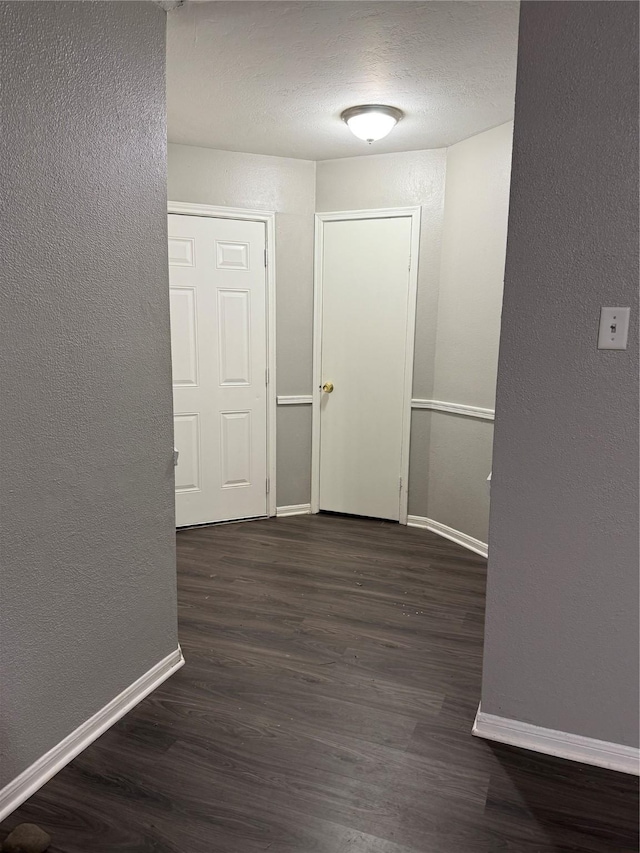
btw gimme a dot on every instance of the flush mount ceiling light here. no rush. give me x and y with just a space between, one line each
371 122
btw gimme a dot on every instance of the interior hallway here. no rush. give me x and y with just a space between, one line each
332 676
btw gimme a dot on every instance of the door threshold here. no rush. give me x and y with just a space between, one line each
355 515
218 523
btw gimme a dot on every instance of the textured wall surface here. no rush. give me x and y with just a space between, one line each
230 179
87 539
474 241
561 646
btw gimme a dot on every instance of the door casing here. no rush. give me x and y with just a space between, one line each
268 217
381 213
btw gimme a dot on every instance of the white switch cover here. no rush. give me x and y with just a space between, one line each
614 328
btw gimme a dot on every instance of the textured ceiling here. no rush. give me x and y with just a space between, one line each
273 77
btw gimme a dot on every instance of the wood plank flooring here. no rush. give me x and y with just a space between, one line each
332 676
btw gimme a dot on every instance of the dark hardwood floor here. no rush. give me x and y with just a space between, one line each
332 676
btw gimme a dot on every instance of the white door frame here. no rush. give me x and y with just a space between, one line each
383 213
269 218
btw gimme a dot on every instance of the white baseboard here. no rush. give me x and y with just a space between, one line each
456 536
295 509
35 776
587 750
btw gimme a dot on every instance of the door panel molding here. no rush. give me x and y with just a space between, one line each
269 219
189 425
184 360
346 215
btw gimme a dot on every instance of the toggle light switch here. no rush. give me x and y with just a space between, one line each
614 328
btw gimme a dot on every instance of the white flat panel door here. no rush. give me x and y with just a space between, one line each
219 353
365 293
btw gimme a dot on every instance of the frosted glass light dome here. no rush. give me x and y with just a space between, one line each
371 122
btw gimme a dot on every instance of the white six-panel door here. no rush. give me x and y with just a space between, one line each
219 352
366 352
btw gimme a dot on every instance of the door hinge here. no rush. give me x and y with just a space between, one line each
268 485
409 261
266 376
400 483
265 257
176 454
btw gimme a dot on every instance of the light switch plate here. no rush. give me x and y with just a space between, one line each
614 328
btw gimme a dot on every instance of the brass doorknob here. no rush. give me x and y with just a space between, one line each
327 387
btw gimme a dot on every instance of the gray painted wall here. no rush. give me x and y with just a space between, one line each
474 242
87 540
458 465
561 646
287 186
463 242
